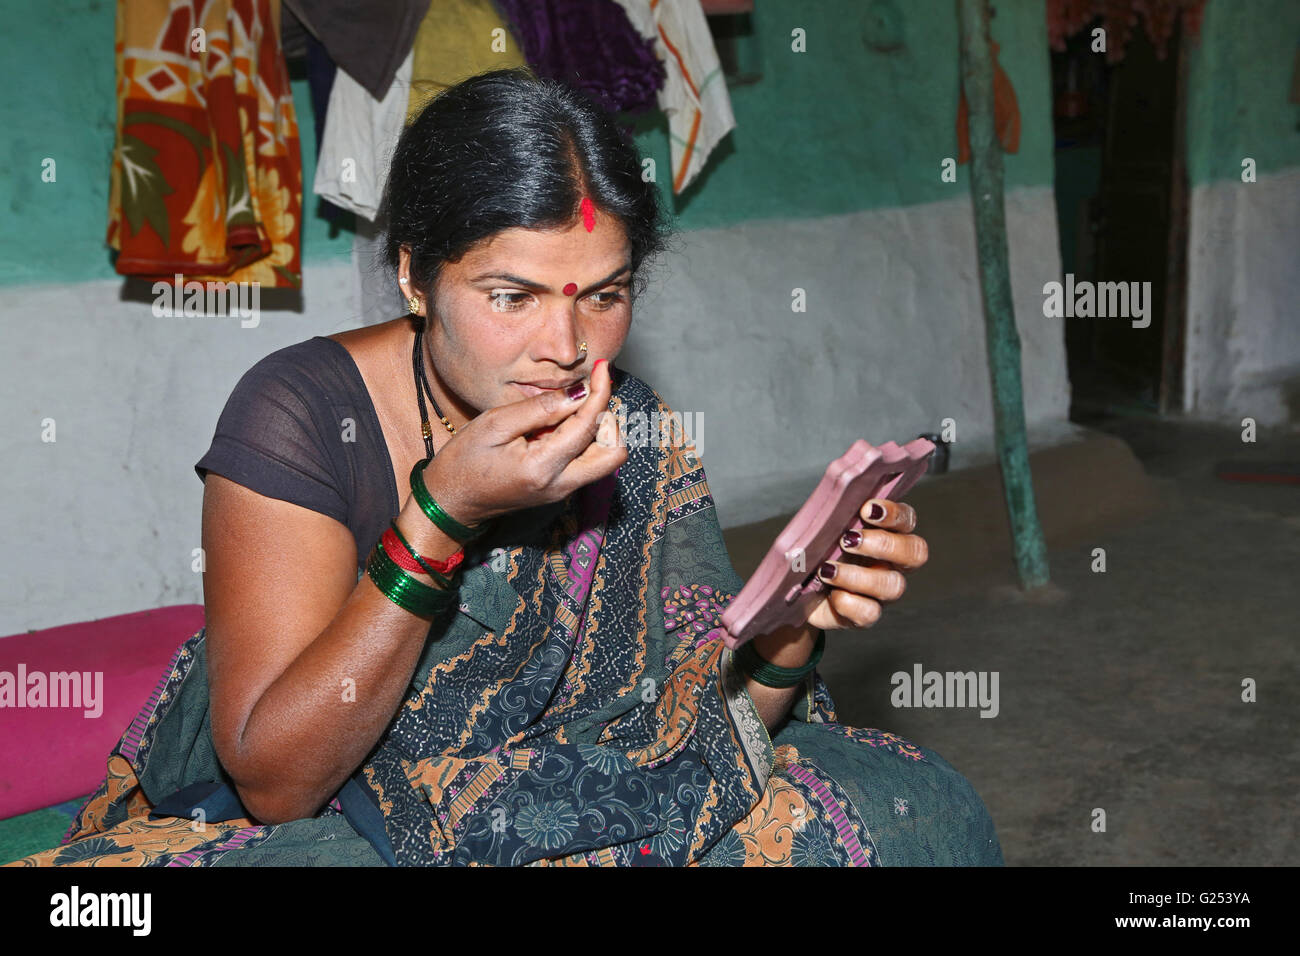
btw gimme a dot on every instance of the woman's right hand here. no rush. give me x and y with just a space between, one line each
489 468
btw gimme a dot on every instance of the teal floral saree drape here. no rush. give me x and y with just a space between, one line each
578 710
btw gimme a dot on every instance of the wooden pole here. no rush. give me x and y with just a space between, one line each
995 283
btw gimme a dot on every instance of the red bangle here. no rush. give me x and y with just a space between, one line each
402 557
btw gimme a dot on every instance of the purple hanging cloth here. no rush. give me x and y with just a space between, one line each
591 45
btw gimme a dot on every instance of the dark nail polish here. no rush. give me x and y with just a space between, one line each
576 390
877 511
851 539
828 570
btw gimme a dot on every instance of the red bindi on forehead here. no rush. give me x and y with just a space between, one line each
589 220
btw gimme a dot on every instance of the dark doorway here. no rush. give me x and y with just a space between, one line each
1121 196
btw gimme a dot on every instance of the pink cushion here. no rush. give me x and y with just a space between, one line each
51 754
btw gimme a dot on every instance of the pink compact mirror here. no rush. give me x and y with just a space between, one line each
785 583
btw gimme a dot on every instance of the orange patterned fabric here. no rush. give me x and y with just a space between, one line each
207 177
1006 114
136 841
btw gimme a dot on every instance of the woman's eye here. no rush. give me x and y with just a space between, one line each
514 301
511 299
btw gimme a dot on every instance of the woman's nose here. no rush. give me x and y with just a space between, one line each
563 334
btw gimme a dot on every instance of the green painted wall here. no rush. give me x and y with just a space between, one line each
834 130
841 128
1239 80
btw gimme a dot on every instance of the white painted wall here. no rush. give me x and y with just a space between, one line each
105 519
1243 301
892 342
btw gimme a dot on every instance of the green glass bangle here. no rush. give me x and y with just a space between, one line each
434 573
402 589
453 528
752 664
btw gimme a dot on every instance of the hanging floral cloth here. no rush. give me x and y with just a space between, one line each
207 176
1006 113
1067 17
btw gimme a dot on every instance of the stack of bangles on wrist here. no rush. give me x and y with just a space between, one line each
392 557
753 665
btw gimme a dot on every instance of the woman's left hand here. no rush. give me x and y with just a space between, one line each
872 570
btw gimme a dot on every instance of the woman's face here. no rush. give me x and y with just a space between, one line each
502 315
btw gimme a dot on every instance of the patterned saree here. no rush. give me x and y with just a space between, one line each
578 710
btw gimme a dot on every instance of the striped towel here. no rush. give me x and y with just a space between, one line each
694 96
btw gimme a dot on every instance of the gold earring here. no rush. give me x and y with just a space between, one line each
413 303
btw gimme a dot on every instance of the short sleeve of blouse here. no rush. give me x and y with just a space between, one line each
269 437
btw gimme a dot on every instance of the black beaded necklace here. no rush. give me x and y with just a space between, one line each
421 389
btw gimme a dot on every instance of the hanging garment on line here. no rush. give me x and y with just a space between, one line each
590 45
206 179
457 40
300 44
320 81
1006 114
694 96
366 39
360 134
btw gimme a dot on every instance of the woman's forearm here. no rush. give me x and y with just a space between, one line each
787 647
316 723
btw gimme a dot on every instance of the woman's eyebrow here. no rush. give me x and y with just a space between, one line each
529 284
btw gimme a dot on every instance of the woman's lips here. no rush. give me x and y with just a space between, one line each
538 389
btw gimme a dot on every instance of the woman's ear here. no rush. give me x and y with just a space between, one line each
405 281
404 262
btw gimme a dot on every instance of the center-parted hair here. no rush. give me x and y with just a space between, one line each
509 149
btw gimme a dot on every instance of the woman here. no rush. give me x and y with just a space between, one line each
525 668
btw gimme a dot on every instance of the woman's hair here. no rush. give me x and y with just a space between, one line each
508 149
